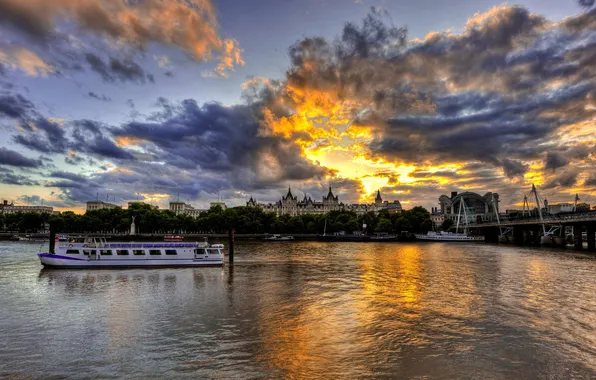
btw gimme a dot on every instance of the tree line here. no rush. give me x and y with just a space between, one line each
217 220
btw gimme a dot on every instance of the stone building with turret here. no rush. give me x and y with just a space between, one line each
290 205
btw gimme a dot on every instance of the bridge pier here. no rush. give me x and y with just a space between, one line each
577 237
591 235
518 235
491 235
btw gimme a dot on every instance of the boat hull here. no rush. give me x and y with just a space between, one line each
449 239
50 260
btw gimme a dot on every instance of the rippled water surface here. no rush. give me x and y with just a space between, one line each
306 310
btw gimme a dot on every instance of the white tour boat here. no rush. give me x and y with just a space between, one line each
452 236
448 236
96 252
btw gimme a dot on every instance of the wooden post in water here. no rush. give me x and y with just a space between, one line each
231 245
52 238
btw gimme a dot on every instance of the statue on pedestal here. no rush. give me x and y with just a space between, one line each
133 229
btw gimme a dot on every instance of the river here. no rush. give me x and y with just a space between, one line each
306 310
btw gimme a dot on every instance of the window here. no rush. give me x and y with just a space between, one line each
138 252
155 252
89 252
122 252
72 251
171 252
105 252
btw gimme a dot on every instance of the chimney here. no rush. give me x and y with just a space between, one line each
5 202
453 194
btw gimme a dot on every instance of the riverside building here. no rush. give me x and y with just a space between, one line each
290 205
11 208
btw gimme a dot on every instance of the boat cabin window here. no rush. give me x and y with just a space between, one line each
155 252
122 252
105 252
171 252
72 251
138 252
88 252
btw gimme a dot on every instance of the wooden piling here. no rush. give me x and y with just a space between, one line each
231 245
52 248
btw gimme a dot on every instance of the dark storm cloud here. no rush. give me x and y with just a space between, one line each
101 97
565 179
8 177
115 70
590 181
48 138
554 161
74 159
214 137
31 199
15 106
68 175
513 168
12 158
84 136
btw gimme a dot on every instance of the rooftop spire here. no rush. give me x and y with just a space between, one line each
378 198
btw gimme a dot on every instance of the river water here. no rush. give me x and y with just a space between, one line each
306 310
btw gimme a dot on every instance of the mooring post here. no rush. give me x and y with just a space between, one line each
52 238
591 235
577 237
231 245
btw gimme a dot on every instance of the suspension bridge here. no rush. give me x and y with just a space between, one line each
536 226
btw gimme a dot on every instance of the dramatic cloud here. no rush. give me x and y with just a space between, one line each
189 25
9 177
85 136
554 161
26 60
12 158
117 70
15 107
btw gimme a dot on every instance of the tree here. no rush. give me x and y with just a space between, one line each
384 225
446 225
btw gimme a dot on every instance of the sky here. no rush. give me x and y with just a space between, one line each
199 100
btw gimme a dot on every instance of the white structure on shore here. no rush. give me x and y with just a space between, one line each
100 205
184 208
11 208
290 205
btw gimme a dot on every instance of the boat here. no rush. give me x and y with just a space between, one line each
279 238
448 236
173 238
452 236
383 236
97 252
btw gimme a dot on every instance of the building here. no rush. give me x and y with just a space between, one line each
184 208
11 208
290 205
436 216
475 207
99 205
566 208
218 203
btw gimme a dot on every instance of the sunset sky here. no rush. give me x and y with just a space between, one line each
198 99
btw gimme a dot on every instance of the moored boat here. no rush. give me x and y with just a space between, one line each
173 238
279 238
448 236
93 252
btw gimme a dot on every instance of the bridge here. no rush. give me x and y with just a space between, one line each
540 229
